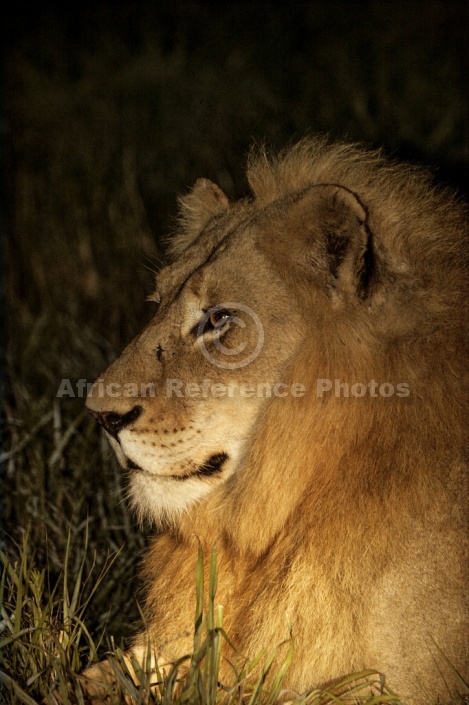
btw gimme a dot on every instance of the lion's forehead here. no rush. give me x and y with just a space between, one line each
225 245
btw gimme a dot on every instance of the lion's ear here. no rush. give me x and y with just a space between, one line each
200 205
330 240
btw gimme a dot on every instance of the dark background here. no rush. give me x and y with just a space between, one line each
113 110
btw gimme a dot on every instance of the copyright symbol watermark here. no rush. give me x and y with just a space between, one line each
227 314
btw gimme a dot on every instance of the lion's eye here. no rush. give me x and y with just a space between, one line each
215 320
219 318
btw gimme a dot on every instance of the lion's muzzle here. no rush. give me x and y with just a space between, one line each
113 423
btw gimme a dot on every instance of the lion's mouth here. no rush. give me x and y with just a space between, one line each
211 467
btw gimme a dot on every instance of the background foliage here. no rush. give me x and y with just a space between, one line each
112 110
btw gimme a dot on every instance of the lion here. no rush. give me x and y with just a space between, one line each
299 400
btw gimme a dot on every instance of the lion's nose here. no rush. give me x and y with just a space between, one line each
113 423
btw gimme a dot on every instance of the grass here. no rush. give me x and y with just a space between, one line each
109 119
45 644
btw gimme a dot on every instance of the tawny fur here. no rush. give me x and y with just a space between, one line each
344 517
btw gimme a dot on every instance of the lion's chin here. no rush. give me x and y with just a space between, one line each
161 500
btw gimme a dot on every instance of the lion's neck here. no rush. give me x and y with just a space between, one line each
313 453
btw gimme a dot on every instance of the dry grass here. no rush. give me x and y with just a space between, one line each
46 643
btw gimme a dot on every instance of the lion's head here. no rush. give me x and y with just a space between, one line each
339 260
